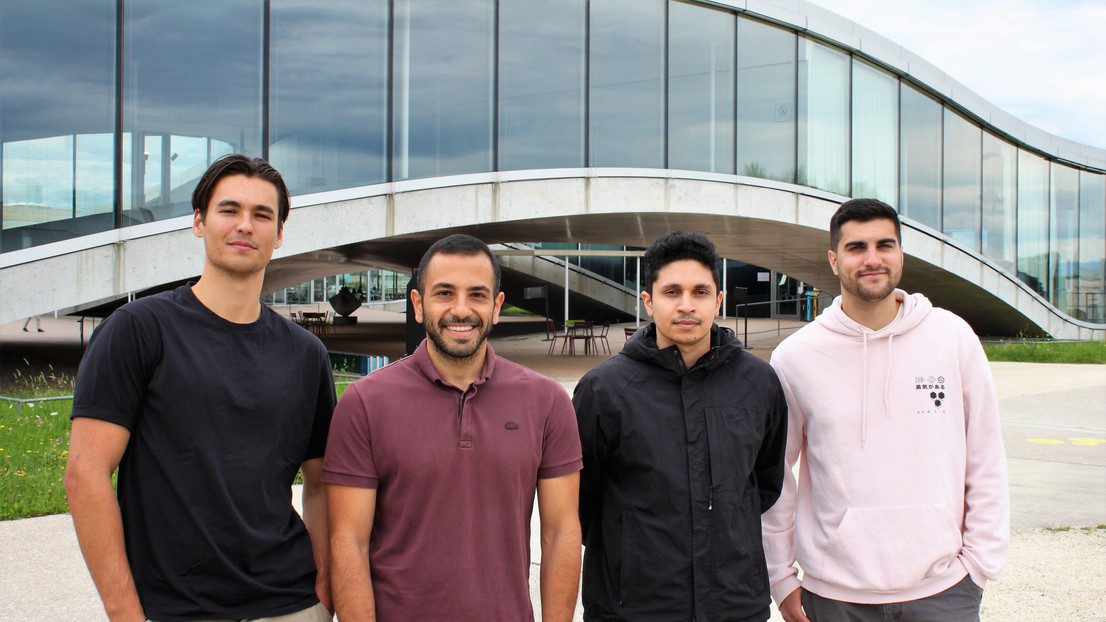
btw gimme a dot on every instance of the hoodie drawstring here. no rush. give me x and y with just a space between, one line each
864 392
887 378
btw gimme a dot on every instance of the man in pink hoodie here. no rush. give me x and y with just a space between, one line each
900 511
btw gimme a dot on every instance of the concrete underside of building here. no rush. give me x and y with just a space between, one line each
779 226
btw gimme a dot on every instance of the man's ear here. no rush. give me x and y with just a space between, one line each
197 224
648 301
416 305
832 256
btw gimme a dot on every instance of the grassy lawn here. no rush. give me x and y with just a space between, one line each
34 445
1093 352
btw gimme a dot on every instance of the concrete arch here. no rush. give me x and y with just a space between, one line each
772 224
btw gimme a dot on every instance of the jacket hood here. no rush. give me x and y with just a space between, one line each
914 309
724 345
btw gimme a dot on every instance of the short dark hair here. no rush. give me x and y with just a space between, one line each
457 244
677 246
862 210
238 164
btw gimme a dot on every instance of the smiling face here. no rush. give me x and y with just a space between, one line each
457 306
868 261
240 229
683 303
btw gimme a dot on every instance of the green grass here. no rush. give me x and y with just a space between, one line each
1091 352
34 447
34 444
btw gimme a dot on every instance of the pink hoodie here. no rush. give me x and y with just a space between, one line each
902 483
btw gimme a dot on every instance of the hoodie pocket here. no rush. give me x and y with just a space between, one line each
891 548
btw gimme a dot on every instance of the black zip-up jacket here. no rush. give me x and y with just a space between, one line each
679 464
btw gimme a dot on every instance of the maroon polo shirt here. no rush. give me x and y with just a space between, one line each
455 473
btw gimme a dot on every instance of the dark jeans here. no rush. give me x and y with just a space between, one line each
959 603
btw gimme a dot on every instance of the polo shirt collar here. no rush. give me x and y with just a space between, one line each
421 359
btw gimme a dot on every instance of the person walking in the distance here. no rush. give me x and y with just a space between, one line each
900 511
209 403
683 436
434 461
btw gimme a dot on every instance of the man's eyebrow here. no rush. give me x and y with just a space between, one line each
261 207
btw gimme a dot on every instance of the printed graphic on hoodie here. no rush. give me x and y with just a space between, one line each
931 392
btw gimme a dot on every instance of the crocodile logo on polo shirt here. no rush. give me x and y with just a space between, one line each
510 425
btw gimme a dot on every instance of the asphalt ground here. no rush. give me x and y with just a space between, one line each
1054 429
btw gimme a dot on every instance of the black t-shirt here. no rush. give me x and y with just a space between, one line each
221 417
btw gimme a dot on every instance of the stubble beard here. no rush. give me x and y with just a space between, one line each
459 353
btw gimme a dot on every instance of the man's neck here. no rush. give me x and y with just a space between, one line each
233 299
872 315
460 373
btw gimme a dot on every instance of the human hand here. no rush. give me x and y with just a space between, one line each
792 607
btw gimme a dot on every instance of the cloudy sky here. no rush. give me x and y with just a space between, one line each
1043 61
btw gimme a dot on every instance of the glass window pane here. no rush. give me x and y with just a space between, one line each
765 101
1063 266
443 87
920 158
202 82
94 176
1092 248
1000 201
1033 201
875 130
700 88
962 164
328 114
626 98
823 117
57 117
541 84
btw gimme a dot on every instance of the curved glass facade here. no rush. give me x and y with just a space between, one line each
110 110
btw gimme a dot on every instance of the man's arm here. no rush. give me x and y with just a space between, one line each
350 513
558 500
95 449
314 518
986 497
791 609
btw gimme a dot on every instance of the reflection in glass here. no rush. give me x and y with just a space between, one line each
1063 266
1033 194
626 105
56 120
1000 201
962 162
204 81
328 113
765 101
875 130
700 89
823 117
541 84
1091 286
920 158
442 87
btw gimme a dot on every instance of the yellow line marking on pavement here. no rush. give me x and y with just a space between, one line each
1045 441
1087 442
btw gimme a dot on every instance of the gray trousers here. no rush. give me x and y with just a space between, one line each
318 613
959 603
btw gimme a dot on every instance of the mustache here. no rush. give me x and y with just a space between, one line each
454 320
687 318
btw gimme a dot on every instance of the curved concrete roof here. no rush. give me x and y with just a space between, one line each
771 224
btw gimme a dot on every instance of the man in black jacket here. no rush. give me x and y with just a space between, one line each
683 436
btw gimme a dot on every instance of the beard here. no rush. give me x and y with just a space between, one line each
873 293
459 352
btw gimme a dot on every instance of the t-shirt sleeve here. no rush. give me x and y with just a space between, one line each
561 446
349 457
324 409
115 370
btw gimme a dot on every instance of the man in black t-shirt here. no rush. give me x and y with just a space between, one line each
208 403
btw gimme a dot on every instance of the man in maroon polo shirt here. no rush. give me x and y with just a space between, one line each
433 463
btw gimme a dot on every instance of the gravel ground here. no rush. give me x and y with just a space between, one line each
1051 575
